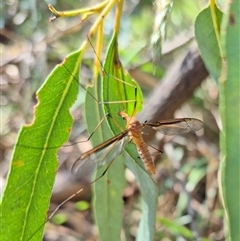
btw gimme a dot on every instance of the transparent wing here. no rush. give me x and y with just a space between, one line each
177 126
99 156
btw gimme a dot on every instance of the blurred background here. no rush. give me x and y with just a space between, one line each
178 85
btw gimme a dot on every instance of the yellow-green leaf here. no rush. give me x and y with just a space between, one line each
25 201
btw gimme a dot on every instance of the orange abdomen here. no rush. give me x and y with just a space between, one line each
135 134
144 154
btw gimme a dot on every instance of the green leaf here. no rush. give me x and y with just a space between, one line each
120 91
207 41
25 202
59 218
118 87
82 205
149 192
230 112
176 228
107 202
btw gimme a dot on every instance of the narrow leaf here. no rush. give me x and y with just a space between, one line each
120 88
25 202
207 41
107 203
230 113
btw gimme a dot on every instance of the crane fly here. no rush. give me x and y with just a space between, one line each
89 161
106 152
110 149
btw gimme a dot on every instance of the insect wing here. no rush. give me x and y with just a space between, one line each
178 126
87 164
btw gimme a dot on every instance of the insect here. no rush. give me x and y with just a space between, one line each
110 149
102 154
106 152
36 186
